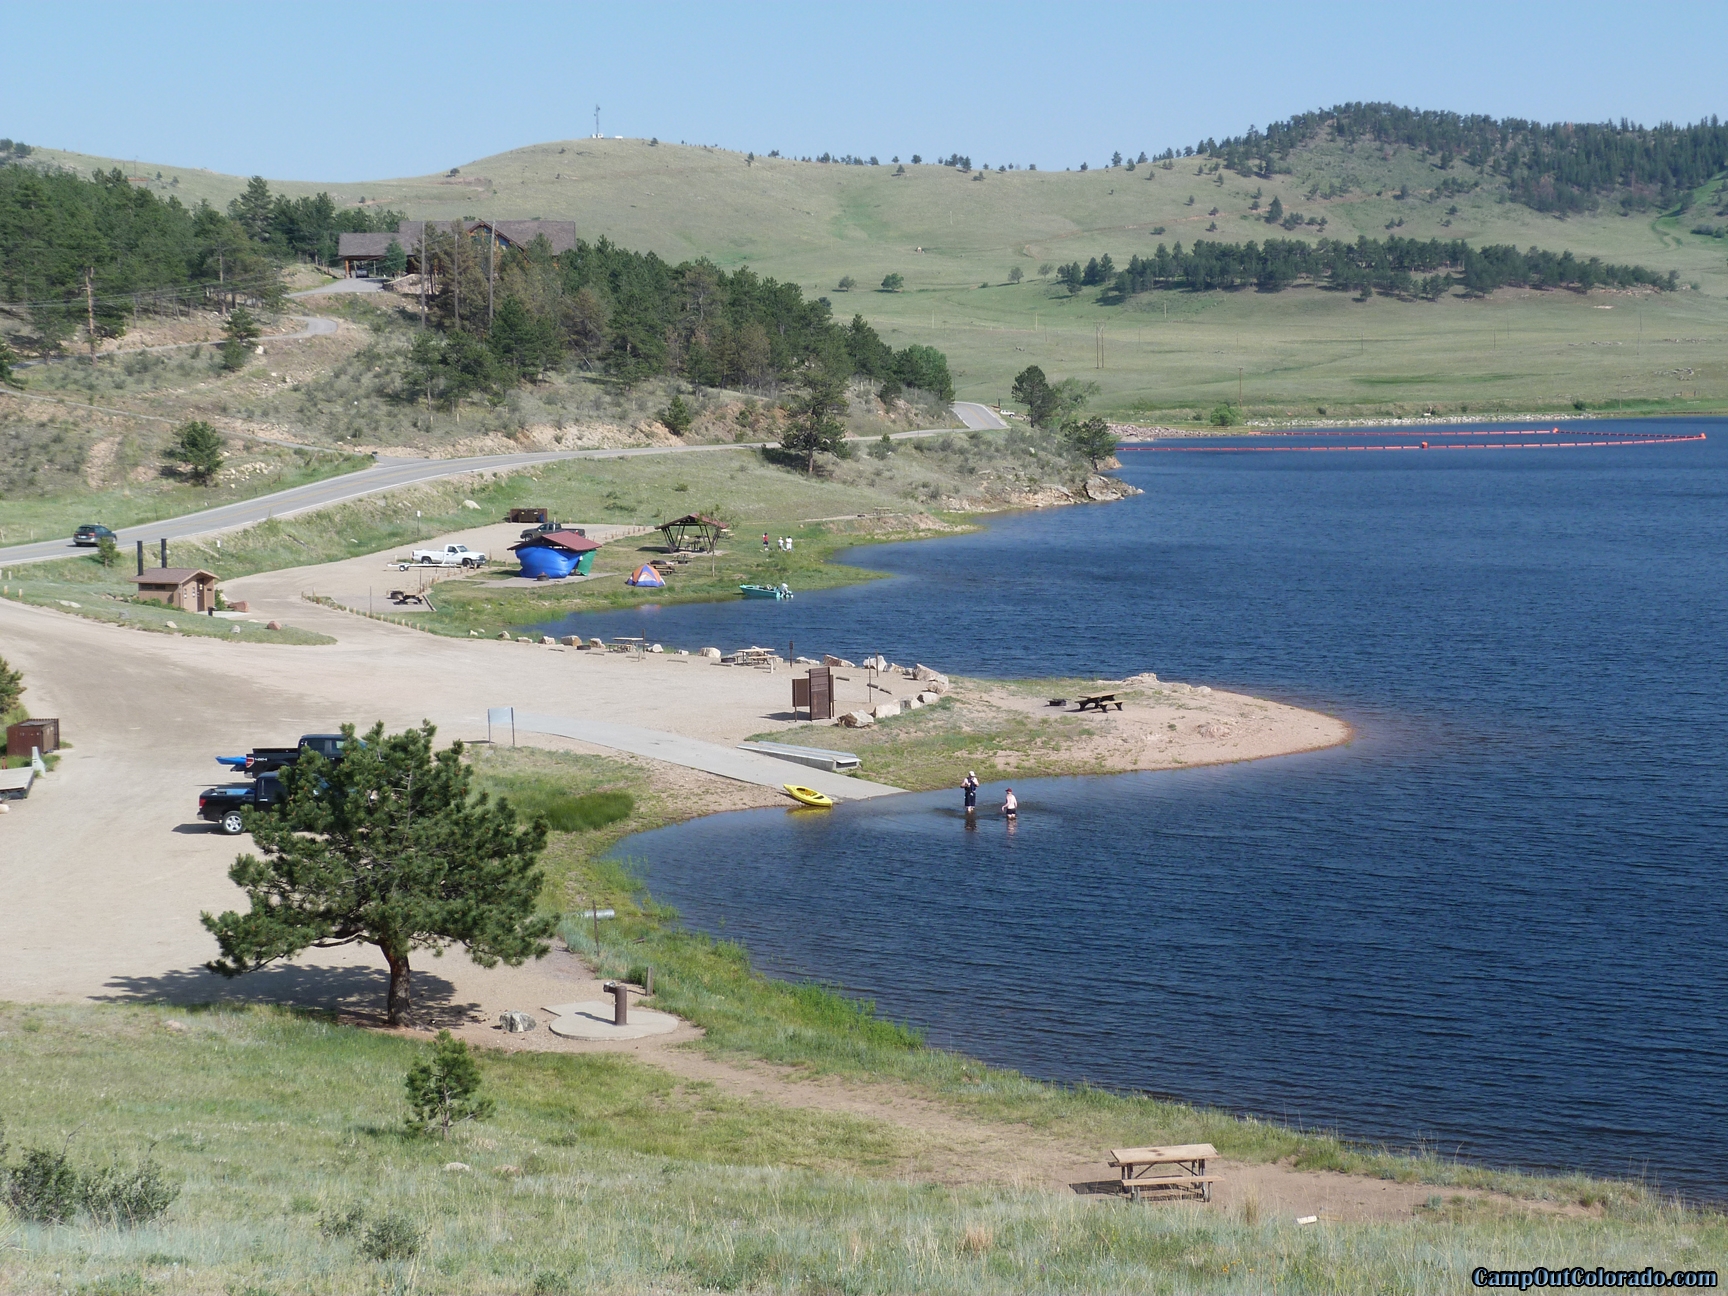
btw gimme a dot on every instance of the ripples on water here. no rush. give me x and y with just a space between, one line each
1494 922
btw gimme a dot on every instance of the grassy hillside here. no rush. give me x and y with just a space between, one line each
955 237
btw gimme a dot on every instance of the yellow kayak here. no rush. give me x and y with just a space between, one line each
809 796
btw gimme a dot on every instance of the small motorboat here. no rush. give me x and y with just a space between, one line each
779 591
809 796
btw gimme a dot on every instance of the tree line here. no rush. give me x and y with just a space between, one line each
1393 266
506 315
77 251
1557 166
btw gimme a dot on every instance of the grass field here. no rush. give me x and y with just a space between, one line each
1167 355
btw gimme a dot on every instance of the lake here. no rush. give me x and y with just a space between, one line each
1492 925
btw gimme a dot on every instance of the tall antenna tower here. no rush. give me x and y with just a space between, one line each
596 121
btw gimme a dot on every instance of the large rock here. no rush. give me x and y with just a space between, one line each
572 641
1175 687
503 634
884 710
857 720
597 644
799 661
927 697
934 681
1200 690
517 1023
548 639
713 654
829 659
469 504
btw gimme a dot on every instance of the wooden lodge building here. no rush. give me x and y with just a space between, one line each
362 255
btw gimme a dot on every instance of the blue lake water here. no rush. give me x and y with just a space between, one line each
1494 923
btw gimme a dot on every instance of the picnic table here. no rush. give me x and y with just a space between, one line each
629 644
1101 701
1143 1169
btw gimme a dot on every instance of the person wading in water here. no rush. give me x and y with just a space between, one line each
970 788
1010 804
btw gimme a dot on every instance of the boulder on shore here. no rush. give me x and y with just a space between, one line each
829 659
548 639
857 720
927 697
572 641
713 654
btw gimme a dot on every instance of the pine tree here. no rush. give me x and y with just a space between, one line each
389 846
812 425
198 448
444 1088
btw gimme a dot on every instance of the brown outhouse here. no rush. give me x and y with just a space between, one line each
191 589
44 735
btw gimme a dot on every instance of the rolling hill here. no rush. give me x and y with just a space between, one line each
956 236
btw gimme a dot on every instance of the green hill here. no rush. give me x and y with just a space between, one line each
955 237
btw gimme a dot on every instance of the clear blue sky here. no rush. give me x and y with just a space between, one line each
366 89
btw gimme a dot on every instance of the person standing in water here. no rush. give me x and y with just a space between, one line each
1010 805
970 788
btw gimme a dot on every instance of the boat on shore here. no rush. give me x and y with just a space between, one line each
809 796
765 591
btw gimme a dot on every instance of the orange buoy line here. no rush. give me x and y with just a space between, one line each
1628 440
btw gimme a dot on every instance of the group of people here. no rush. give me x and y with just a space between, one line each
969 787
784 543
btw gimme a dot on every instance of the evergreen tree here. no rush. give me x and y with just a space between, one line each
388 846
11 689
813 426
1032 389
1090 437
677 416
198 447
239 332
7 360
254 210
893 282
395 260
444 1087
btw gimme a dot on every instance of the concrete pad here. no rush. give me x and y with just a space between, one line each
591 1019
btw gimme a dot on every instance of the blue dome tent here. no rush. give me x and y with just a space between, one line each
645 577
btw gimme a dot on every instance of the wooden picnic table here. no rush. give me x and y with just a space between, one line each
629 644
1101 701
1141 1169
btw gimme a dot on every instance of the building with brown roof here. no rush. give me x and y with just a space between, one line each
191 589
362 254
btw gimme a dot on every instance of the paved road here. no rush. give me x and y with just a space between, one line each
388 474
693 753
980 418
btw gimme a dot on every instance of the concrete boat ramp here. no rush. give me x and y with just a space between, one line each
694 753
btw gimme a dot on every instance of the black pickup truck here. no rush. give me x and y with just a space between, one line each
222 805
266 760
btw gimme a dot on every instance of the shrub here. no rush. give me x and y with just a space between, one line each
1224 415
127 1198
107 552
392 1237
43 1188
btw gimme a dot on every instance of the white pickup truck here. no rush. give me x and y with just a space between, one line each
453 555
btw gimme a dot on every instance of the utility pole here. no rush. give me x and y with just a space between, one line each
423 272
596 121
1238 386
456 227
90 315
491 259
